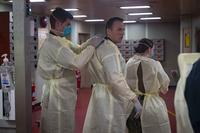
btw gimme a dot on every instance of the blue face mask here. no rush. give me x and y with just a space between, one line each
67 31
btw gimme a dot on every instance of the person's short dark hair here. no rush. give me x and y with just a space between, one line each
59 14
110 22
143 45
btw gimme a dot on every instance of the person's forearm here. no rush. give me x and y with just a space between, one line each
121 87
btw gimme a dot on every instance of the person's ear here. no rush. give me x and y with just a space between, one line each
150 50
108 31
57 24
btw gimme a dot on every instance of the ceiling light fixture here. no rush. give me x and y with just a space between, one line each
94 20
79 16
128 22
137 14
31 1
71 9
68 9
150 18
37 0
134 7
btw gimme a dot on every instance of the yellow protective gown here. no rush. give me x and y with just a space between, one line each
56 66
185 62
110 103
154 117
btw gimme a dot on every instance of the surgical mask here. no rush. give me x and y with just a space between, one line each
67 31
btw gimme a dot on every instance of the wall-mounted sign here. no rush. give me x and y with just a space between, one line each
187 43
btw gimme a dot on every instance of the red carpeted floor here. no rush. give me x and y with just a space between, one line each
169 99
81 108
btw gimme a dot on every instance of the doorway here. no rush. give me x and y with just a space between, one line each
198 40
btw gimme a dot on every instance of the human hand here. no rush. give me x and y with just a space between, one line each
95 41
138 108
164 91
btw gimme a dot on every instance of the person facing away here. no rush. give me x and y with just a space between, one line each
56 65
111 100
147 78
192 96
185 63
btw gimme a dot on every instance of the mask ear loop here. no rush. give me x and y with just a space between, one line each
139 43
56 20
55 17
145 45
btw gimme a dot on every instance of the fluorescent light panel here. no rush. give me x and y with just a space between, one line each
128 22
72 9
150 18
68 9
31 1
37 0
79 16
142 13
94 20
134 7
